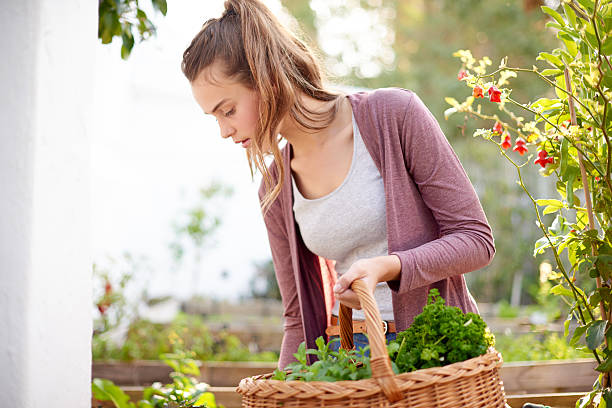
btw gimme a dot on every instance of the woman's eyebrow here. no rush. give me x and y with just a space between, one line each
219 104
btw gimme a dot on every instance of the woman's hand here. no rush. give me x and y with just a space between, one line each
371 271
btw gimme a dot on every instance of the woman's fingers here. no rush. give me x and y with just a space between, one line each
350 299
344 281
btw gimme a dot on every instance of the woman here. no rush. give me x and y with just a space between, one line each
367 179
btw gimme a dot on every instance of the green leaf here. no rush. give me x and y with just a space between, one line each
207 399
553 14
594 299
545 102
571 46
551 71
552 59
577 335
560 81
587 4
549 201
582 220
540 245
566 324
570 14
560 290
128 42
606 366
161 5
559 226
604 265
106 390
606 48
595 334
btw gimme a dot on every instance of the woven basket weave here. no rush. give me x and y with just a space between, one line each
467 384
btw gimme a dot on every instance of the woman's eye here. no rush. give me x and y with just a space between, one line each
230 112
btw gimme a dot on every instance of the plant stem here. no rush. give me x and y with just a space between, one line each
598 88
577 295
587 199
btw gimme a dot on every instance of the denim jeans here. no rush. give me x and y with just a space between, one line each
359 339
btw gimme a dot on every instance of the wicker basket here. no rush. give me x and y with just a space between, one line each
470 383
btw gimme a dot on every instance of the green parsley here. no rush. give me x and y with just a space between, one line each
439 336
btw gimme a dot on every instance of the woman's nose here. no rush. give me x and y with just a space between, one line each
226 131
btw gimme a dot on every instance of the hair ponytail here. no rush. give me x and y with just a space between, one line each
262 54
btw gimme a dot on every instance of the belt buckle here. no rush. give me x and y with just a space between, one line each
385 327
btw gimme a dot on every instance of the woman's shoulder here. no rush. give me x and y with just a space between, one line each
388 100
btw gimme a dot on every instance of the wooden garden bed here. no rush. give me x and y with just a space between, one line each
556 376
230 399
557 383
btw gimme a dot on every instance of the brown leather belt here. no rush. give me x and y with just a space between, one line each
359 326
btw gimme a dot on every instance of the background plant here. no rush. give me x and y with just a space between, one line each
120 18
146 340
116 299
570 129
185 390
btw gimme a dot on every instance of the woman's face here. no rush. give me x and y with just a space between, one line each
234 105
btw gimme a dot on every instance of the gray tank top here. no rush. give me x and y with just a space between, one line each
350 222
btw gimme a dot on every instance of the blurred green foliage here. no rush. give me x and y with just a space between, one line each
147 341
536 346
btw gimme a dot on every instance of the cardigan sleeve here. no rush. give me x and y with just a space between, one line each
283 268
465 241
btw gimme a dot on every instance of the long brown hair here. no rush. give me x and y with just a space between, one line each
266 57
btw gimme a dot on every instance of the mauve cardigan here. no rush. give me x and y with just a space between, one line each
435 223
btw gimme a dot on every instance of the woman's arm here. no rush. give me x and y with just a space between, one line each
281 257
465 240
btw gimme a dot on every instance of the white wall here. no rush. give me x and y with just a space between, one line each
46 73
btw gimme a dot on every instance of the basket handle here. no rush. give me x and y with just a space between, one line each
379 361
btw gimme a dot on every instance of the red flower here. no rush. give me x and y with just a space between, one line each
494 94
102 307
498 128
507 143
108 288
477 92
462 74
542 159
520 146
565 124
597 178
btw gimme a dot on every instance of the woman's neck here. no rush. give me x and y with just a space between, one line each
306 142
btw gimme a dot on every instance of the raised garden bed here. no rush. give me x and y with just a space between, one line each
557 383
230 399
534 377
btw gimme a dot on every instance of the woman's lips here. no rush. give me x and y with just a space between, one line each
246 143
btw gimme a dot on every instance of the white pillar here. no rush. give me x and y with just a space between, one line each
46 66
